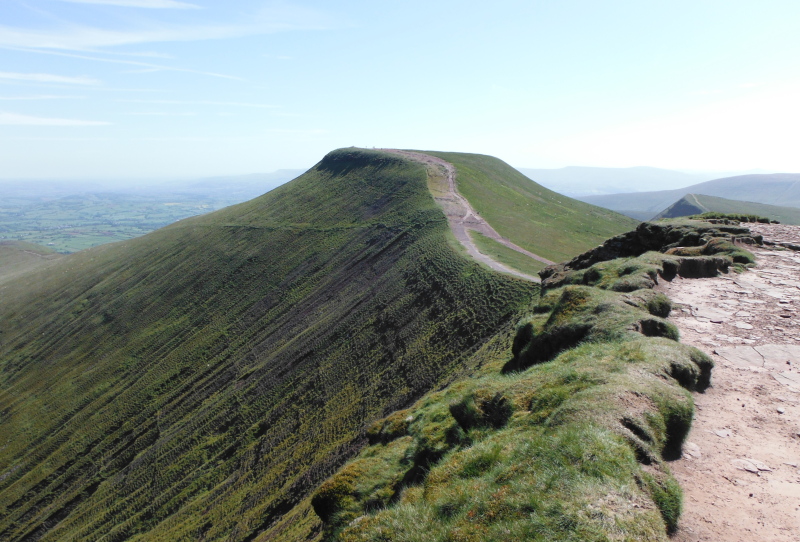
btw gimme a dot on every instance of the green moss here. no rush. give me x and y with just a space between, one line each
668 497
585 314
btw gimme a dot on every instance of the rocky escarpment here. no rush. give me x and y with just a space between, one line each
697 249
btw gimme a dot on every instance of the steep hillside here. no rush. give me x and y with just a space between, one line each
569 435
535 218
200 381
772 189
696 204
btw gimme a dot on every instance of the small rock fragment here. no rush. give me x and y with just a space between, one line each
724 433
759 465
743 464
781 410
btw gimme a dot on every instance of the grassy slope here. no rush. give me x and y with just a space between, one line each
693 204
535 218
18 257
505 255
569 441
200 381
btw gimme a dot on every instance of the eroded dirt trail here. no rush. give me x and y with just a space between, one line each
463 218
739 471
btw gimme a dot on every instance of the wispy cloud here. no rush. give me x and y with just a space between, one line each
147 66
152 4
48 78
160 114
75 37
203 102
15 119
40 97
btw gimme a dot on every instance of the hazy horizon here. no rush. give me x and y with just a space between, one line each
144 89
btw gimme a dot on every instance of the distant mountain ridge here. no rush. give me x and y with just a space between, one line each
773 189
575 181
695 204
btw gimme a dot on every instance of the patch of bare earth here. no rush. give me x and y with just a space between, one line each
739 470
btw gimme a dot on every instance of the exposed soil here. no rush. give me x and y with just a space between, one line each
739 469
463 218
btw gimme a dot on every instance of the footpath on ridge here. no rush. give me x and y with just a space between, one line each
463 218
739 471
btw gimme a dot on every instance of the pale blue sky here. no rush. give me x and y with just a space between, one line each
165 89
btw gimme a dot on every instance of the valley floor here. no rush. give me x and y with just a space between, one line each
740 469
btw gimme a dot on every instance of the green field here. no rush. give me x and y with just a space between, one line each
71 216
74 223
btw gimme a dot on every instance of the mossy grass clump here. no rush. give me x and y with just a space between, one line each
717 246
713 215
586 314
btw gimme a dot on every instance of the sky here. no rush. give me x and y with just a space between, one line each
164 89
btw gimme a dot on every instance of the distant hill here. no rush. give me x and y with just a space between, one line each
773 189
577 181
695 204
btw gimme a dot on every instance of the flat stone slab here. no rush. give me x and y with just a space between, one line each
790 380
715 316
769 356
776 355
743 356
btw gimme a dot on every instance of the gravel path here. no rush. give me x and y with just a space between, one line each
739 471
463 218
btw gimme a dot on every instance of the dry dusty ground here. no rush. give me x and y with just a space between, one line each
739 471
463 218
